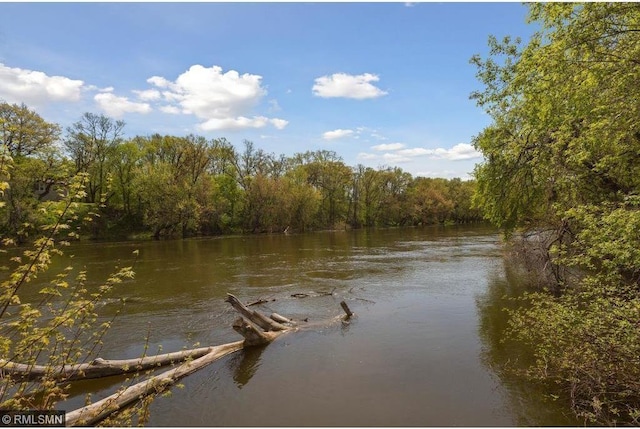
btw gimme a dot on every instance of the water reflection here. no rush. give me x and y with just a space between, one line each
530 404
245 364
424 350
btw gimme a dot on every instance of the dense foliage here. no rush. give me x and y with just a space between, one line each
181 186
563 162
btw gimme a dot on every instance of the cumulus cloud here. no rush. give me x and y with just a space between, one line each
347 86
458 152
148 95
337 134
367 156
36 88
278 123
448 174
395 152
221 100
117 106
389 146
419 151
241 122
395 157
234 123
172 110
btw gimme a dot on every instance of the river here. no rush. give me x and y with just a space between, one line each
422 350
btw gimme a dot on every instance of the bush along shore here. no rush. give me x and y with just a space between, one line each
563 169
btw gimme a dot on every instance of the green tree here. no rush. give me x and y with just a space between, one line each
332 178
91 142
394 202
563 160
24 132
429 201
36 167
126 159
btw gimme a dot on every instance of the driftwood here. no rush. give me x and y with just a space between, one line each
260 301
259 319
313 294
98 411
98 367
346 309
256 328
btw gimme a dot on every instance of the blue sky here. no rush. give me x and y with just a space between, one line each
382 84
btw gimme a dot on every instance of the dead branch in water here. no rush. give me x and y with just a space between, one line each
256 328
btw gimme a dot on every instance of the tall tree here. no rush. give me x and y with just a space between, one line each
90 142
24 132
28 141
563 159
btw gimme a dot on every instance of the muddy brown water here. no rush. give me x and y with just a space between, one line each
422 350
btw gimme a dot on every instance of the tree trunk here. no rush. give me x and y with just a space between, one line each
98 411
98 367
256 328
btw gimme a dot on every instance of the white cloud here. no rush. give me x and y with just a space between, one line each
274 106
458 152
34 87
221 100
234 123
367 156
241 122
463 151
148 95
337 134
279 123
389 146
347 86
159 81
396 157
117 106
447 174
395 153
378 136
417 151
172 110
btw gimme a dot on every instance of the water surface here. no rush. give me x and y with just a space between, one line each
419 353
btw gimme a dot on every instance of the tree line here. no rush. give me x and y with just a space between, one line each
563 170
189 185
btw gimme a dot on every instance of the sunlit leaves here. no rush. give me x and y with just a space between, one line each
563 158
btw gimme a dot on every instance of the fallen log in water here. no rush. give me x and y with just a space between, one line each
98 411
97 368
256 328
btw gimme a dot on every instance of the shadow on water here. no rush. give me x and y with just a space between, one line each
530 404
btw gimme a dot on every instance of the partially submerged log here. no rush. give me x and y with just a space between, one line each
260 301
98 367
256 328
258 318
346 309
100 410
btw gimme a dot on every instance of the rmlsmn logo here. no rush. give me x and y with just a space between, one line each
54 418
